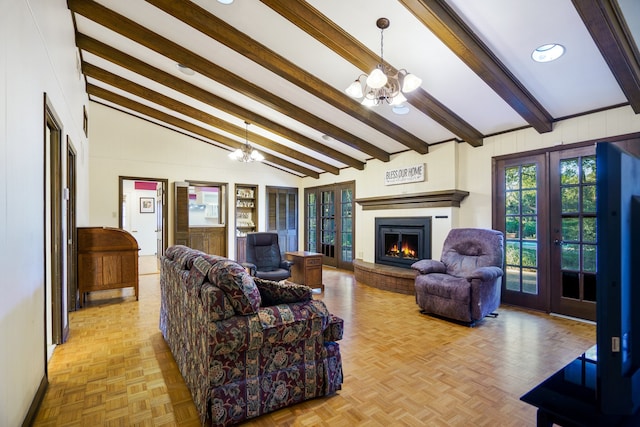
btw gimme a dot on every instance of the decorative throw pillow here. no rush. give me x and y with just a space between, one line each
273 293
239 286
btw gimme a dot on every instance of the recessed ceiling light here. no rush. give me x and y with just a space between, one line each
548 52
401 109
225 1
185 70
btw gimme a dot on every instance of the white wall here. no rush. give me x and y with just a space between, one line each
37 56
460 166
137 148
440 175
474 166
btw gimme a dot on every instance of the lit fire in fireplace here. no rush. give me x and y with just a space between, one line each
406 251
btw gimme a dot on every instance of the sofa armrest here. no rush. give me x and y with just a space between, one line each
425 266
485 274
335 329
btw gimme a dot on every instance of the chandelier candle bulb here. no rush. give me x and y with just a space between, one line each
377 78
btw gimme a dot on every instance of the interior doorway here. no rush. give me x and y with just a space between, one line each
143 213
282 216
72 247
56 311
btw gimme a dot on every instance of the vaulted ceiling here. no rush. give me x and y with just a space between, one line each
282 66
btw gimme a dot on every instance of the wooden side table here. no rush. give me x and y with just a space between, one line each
306 269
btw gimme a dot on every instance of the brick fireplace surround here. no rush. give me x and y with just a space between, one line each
397 279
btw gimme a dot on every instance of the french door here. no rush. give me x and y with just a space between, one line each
329 223
545 203
573 232
521 212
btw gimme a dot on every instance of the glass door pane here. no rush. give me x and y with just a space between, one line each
328 226
521 212
574 223
312 225
521 224
346 230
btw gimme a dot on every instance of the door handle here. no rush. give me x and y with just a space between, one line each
558 242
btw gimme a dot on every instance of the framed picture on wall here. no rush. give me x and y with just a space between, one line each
147 205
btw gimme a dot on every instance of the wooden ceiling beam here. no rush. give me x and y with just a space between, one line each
184 125
314 23
141 35
128 86
115 56
207 23
610 32
442 21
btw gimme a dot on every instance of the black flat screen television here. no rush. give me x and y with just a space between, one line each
618 280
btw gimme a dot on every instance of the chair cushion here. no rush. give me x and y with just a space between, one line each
268 257
239 286
466 249
183 255
444 286
275 275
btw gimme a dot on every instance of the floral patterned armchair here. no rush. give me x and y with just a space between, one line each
245 346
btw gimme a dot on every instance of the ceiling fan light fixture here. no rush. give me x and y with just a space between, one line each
548 52
225 1
383 84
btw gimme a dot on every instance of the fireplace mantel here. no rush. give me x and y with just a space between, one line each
432 199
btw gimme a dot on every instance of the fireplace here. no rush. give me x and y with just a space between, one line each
402 241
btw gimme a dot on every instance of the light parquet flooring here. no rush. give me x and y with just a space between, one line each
401 368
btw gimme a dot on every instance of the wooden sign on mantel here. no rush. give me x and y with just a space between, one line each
404 175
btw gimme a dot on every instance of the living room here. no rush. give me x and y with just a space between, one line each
40 66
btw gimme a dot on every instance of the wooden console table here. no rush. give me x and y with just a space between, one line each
306 269
107 259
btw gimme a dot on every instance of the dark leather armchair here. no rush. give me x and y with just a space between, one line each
263 258
465 284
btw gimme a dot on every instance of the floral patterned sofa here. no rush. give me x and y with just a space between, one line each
245 346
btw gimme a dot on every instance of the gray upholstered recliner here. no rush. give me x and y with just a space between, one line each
465 284
263 258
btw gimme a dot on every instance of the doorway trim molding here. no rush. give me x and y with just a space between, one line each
165 203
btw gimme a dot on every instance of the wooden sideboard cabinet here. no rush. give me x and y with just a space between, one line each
306 269
107 259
